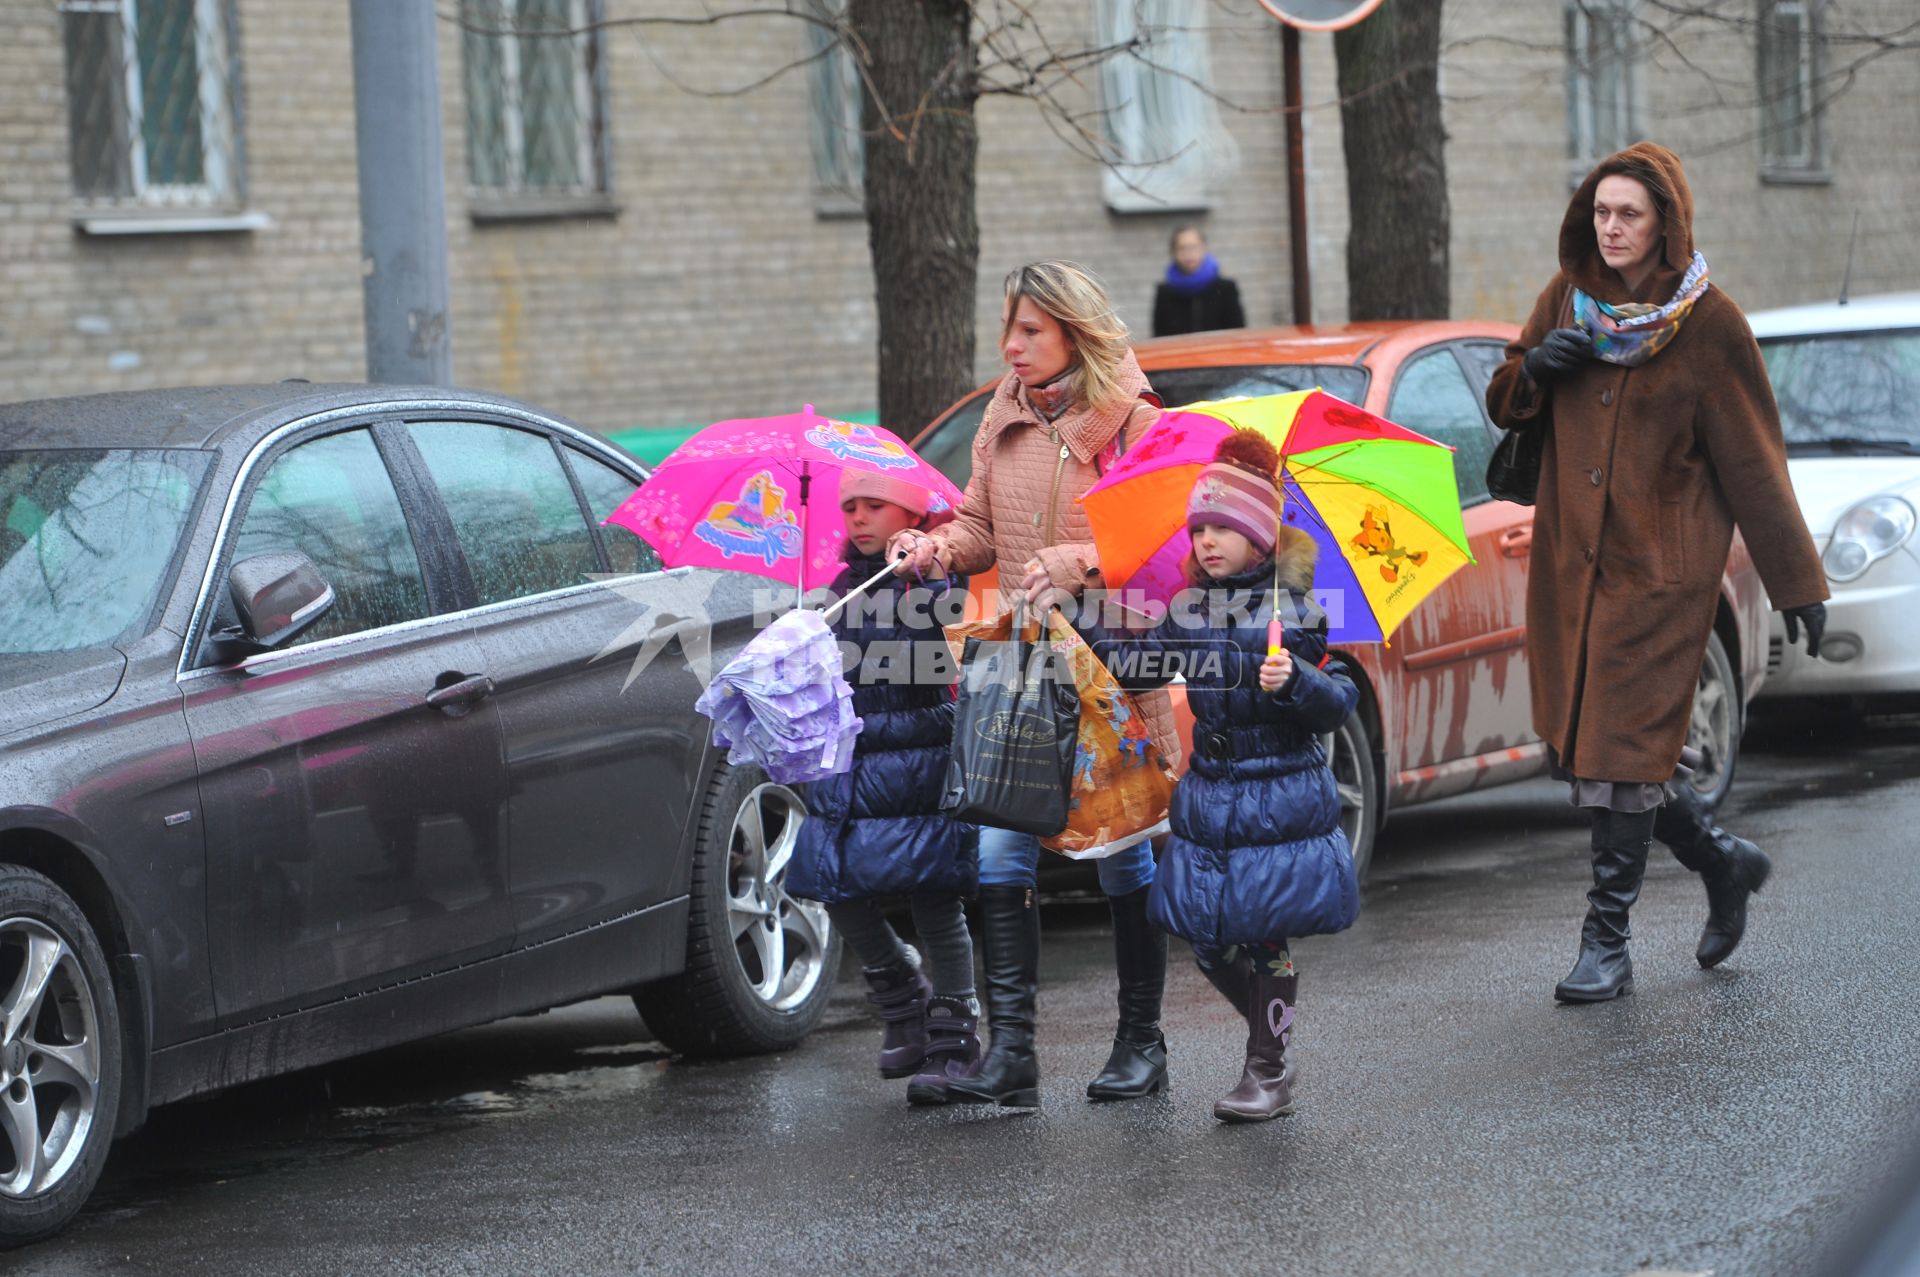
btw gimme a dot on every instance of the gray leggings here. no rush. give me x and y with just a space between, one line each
942 925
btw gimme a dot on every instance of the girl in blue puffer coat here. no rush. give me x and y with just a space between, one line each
1257 855
876 831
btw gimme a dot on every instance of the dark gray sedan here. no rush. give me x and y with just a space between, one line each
331 717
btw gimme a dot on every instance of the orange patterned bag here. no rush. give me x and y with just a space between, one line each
1121 784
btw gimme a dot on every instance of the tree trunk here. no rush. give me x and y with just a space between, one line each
1396 163
920 186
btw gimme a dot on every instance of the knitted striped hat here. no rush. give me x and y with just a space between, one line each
1237 490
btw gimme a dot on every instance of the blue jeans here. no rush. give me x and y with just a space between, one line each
1008 859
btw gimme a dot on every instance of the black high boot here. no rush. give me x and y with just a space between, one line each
1137 1065
1010 948
1732 869
1603 969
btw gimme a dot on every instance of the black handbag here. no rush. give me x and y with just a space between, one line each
1513 471
1015 730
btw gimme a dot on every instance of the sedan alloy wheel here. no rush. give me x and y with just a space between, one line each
781 941
49 1058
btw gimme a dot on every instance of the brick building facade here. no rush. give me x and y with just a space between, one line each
699 267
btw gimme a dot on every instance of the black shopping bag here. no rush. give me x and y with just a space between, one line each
1014 734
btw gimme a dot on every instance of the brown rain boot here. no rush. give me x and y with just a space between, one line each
1234 979
1264 1091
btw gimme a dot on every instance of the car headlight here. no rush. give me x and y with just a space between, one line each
1868 532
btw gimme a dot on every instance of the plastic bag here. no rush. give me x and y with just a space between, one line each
1014 732
1121 784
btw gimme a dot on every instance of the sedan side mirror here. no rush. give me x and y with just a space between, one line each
276 596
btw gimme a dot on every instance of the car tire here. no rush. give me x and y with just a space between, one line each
741 926
60 1056
1715 724
1349 749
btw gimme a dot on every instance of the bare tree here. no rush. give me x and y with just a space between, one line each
922 229
1395 144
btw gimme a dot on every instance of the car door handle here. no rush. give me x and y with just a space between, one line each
1517 543
455 699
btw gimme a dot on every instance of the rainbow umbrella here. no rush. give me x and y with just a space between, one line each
1378 498
762 494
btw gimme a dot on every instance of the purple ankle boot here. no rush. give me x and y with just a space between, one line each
900 994
953 1049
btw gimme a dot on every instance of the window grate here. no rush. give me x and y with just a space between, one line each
1166 143
834 90
153 104
1604 91
1789 38
535 87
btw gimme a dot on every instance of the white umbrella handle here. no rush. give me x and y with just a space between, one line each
861 588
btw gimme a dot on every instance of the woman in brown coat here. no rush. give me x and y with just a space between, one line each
1073 399
1662 435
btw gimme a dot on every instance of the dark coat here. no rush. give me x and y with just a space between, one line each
1256 853
1213 307
1646 472
876 830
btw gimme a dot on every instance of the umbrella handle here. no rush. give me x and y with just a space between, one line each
861 588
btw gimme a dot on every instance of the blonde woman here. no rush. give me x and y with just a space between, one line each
1072 401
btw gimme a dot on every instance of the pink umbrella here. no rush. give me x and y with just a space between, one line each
762 494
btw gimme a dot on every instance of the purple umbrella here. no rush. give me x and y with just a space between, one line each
783 704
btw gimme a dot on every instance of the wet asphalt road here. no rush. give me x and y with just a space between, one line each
1452 1119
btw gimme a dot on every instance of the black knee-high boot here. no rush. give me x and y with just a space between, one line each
1138 1064
1732 869
1603 969
1010 949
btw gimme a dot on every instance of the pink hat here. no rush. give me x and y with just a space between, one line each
1231 496
885 487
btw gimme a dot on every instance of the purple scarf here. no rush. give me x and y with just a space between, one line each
1198 282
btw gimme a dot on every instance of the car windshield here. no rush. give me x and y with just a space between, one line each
85 539
1177 386
1845 389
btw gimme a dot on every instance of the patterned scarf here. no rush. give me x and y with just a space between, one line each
1053 398
1635 332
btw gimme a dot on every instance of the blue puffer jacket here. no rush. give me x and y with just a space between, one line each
1257 853
877 830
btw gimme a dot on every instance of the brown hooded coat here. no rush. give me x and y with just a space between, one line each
1020 503
1646 471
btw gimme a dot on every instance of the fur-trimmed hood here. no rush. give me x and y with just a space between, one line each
1296 554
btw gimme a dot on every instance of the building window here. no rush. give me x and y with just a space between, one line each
536 99
1604 92
1167 145
153 104
1790 141
833 83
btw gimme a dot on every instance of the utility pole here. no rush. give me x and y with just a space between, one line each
403 191
1296 177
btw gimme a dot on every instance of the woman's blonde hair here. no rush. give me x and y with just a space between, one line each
1072 295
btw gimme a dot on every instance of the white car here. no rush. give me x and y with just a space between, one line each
1847 377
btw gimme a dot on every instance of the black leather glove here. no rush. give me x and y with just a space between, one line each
1815 617
1559 353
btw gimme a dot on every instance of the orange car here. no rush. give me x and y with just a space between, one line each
1444 708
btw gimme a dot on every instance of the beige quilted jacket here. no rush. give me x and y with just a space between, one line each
1020 506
